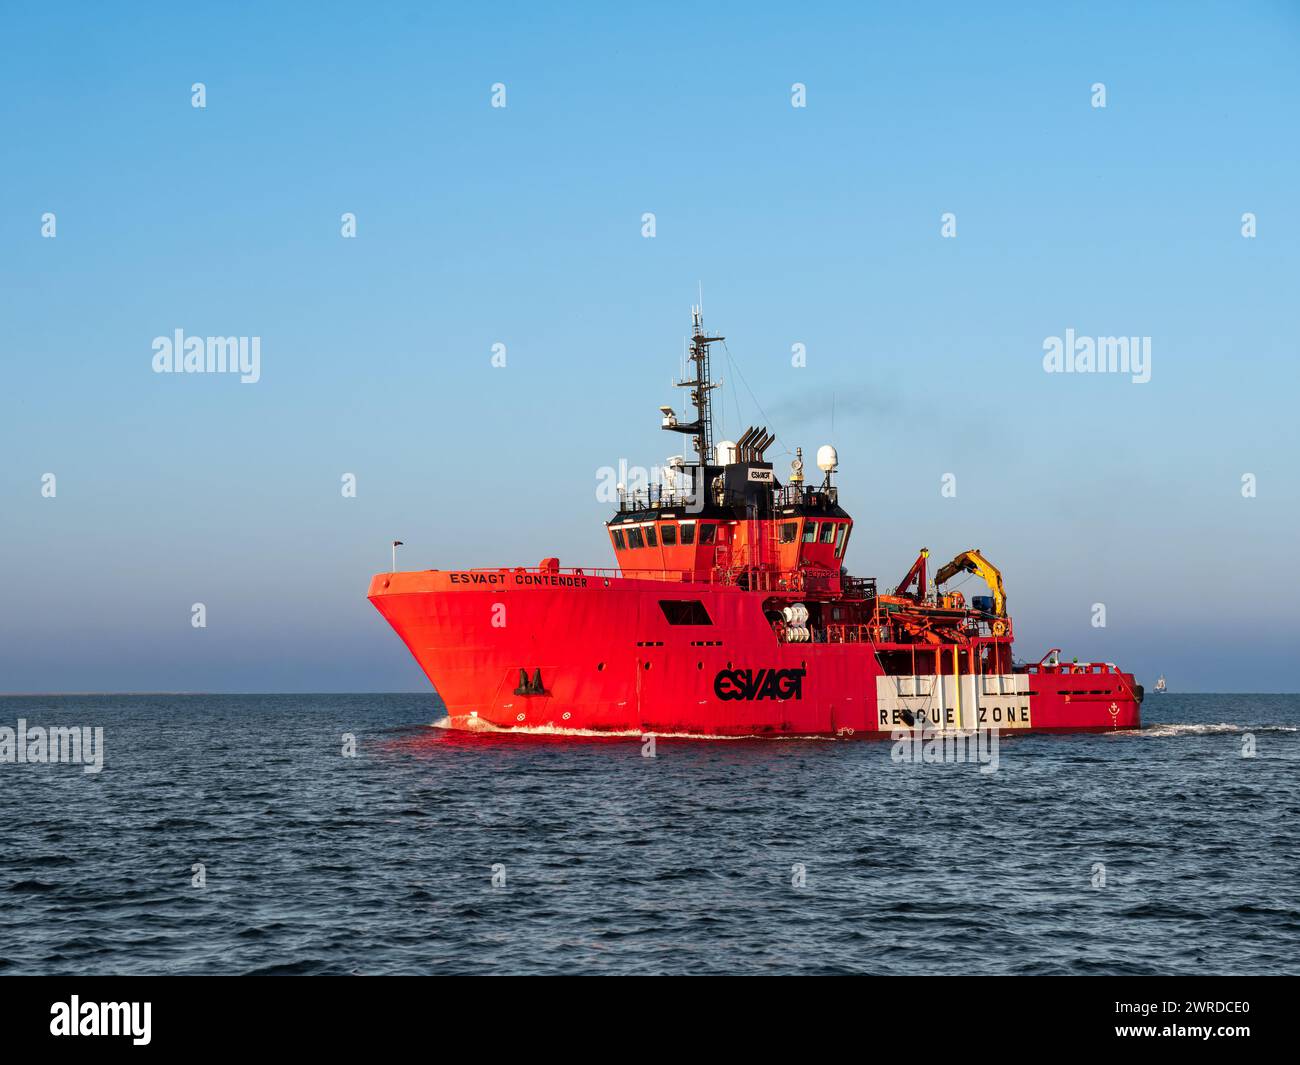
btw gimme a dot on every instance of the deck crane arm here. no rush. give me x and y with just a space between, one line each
973 562
915 575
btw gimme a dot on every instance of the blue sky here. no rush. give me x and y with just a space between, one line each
522 226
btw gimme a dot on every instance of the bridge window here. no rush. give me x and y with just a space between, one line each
810 532
688 532
668 533
650 536
828 532
685 612
618 539
842 540
789 532
634 538
707 532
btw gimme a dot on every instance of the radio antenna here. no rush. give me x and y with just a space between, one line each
700 385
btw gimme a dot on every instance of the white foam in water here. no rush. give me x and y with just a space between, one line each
1153 731
1223 728
479 725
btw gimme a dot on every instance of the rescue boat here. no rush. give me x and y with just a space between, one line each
729 613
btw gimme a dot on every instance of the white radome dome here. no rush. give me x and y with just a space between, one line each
827 458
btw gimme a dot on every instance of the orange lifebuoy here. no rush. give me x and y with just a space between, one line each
999 627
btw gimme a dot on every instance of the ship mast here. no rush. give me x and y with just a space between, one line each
701 429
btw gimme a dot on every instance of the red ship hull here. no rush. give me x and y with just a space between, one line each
590 651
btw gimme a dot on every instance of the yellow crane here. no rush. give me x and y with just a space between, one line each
973 562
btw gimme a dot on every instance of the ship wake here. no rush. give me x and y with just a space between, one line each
479 725
1221 729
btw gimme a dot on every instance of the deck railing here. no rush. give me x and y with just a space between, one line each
1074 667
661 497
753 578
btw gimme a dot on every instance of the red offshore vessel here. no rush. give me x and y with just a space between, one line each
731 614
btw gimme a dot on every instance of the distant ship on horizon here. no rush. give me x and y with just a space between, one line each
1160 684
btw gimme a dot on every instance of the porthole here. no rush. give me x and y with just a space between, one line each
646 666
699 665
600 666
